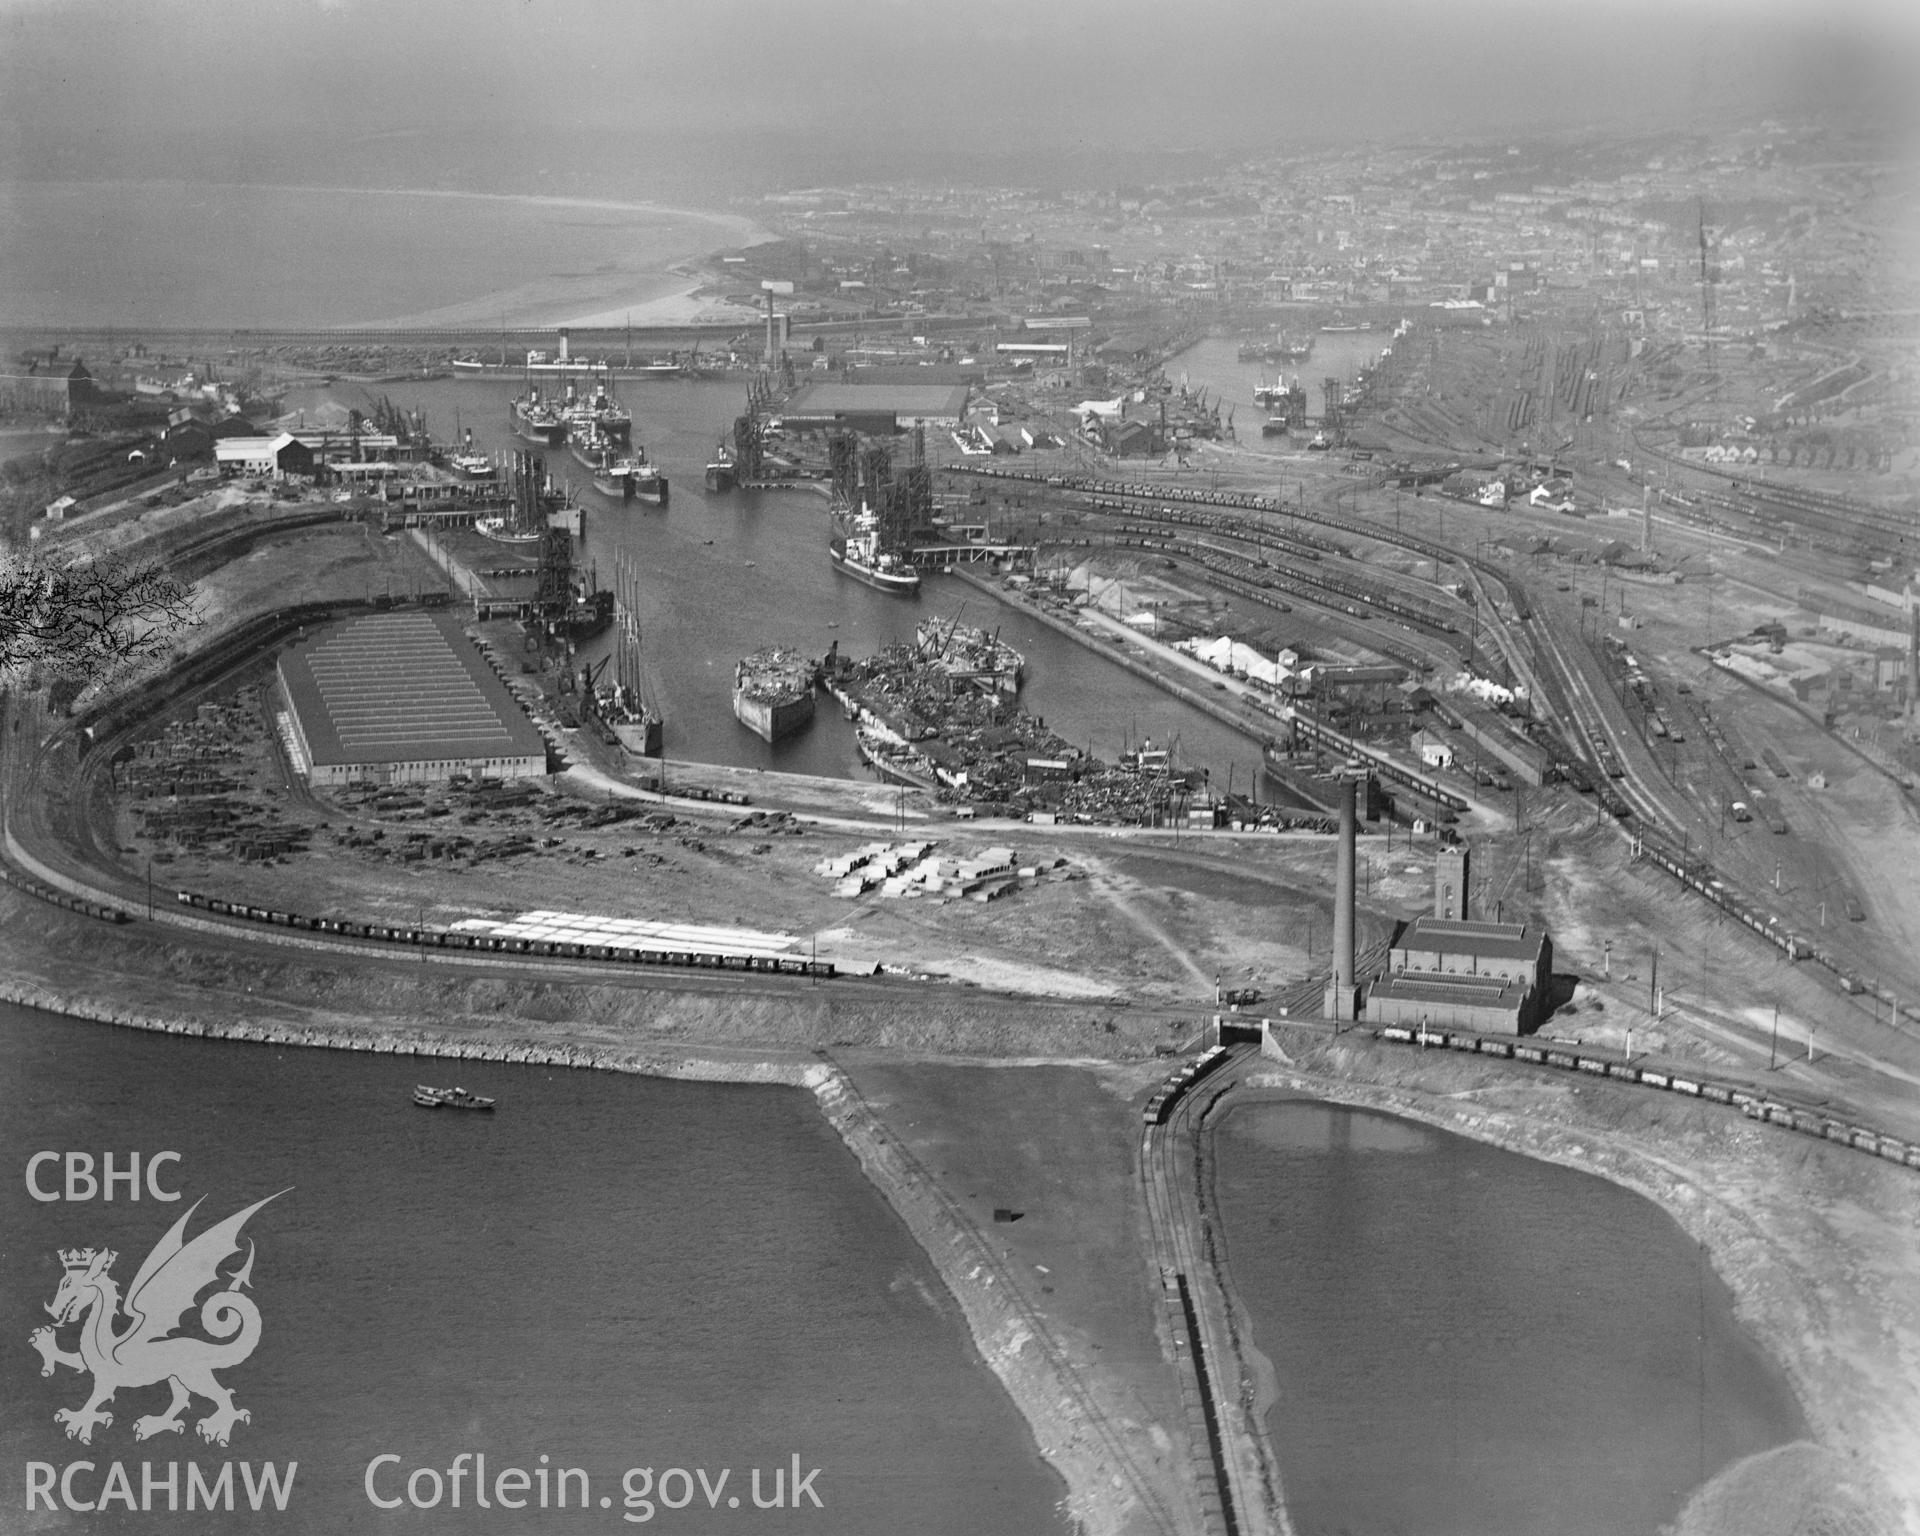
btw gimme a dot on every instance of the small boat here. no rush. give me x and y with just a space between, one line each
429 1097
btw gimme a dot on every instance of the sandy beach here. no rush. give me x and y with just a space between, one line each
691 304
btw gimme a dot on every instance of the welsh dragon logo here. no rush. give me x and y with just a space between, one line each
150 1348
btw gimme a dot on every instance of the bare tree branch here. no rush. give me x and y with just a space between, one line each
87 619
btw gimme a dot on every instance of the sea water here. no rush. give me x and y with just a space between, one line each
187 254
606 1273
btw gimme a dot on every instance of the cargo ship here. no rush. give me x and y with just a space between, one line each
861 552
893 762
539 363
535 420
773 693
648 483
969 656
585 443
628 719
615 477
614 420
1284 348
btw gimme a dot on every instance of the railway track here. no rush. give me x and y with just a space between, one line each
1240 1492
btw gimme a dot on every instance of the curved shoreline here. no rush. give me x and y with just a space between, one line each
1040 1385
660 285
1786 1311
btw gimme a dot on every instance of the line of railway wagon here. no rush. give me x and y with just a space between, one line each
554 949
1755 1106
1699 877
43 892
1161 1106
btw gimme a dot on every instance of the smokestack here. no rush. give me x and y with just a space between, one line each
1913 653
1342 1001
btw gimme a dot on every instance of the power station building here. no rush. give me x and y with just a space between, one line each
402 698
1444 971
1453 973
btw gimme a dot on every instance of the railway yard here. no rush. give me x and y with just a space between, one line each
1516 582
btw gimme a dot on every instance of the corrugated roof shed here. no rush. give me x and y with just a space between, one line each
945 400
1508 941
401 688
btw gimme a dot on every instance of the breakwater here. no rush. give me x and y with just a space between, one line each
394 1041
1108 1490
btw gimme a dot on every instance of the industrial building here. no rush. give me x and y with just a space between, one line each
1445 971
1495 978
55 388
402 698
283 454
875 409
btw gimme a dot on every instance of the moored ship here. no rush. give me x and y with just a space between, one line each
860 548
892 760
720 470
857 556
648 483
615 478
773 693
535 420
1286 347
969 655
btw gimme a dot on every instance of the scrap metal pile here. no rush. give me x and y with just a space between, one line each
983 749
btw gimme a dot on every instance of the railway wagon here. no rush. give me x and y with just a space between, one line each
430 938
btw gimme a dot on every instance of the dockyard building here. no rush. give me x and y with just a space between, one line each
276 456
402 698
52 387
875 409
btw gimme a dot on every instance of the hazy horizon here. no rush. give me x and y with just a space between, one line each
665 98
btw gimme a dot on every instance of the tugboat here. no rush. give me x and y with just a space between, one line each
429 1097
720 471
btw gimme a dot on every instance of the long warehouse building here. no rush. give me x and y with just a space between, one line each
402 698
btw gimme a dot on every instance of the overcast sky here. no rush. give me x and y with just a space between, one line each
108 86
